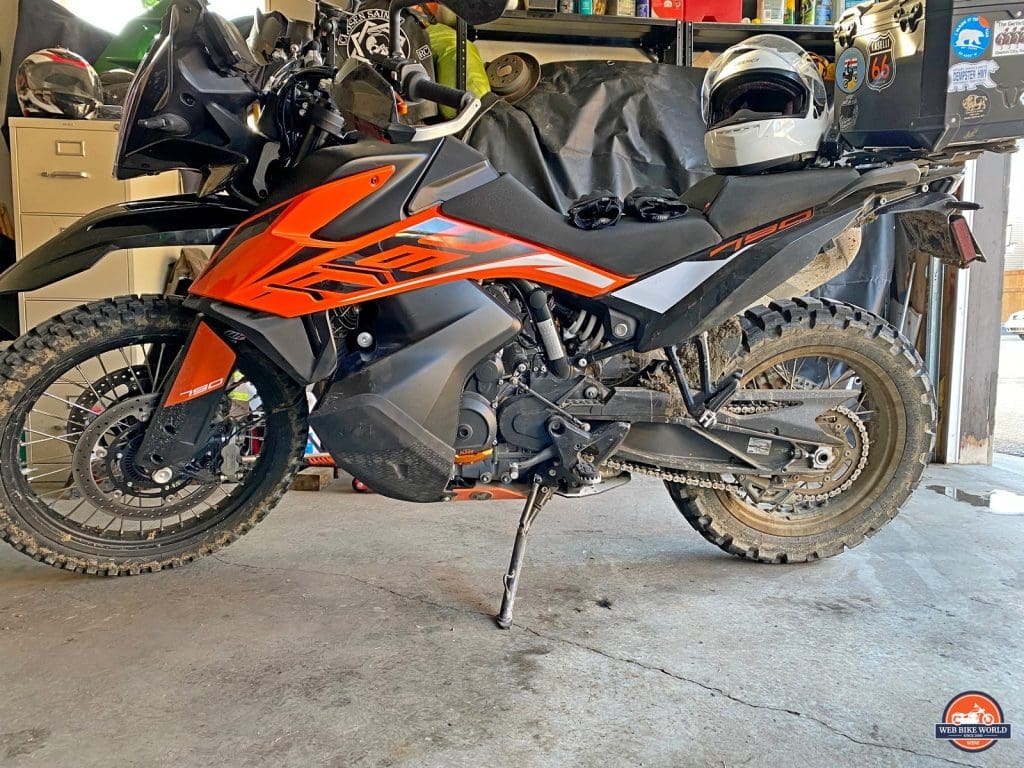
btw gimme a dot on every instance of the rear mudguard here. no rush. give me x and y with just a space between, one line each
161 221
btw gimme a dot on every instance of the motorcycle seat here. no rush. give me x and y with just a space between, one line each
735 204
630 248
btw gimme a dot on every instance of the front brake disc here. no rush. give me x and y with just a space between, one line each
103 467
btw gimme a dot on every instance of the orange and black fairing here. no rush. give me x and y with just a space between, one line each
205 368
275 262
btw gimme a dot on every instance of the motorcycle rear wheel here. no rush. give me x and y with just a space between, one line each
898 425
62 385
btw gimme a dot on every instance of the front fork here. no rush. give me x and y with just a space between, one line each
182 423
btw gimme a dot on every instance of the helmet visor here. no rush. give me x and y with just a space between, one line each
757 96
763 54
64 78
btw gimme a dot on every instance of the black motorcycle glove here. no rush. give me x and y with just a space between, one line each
597 210
655 204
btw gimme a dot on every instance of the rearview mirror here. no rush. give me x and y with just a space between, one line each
267 29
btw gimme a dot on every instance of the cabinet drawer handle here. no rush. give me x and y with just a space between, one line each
65 174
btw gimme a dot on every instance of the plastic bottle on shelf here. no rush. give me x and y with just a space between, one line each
771 11
823 12
805 12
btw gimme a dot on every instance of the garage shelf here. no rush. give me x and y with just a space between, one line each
667 40
707 36
662 38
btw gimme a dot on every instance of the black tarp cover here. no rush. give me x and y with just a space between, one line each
621 125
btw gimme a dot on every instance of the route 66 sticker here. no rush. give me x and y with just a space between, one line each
882 62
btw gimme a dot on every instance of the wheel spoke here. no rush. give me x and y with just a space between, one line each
96 394
69 403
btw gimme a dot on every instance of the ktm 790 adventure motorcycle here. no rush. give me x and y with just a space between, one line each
460 339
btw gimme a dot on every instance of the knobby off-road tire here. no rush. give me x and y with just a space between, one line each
36 360
902 433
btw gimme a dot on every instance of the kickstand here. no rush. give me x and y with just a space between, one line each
539 496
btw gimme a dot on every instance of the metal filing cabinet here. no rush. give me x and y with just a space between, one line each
62 170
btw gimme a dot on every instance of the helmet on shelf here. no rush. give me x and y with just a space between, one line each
116 83
765 107
56 82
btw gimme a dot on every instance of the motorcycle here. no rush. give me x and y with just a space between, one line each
977 716
458 338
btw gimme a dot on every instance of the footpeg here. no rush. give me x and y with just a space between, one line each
725 393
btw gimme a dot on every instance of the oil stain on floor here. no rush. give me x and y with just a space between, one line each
996 502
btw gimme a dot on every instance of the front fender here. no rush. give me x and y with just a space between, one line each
161 221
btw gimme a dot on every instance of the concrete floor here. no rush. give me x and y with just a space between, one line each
355 631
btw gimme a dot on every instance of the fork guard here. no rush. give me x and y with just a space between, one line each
162 221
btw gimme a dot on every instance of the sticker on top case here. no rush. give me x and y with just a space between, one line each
850 70
969 77
975 106
971 37
1009 38
882 64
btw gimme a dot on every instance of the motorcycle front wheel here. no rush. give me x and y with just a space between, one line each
75 396
886 429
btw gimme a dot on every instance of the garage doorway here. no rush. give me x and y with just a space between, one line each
1009 432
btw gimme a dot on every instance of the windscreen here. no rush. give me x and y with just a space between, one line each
147 95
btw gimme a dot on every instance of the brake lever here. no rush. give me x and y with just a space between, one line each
399 133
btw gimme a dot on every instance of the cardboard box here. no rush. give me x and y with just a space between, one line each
722 11
621 8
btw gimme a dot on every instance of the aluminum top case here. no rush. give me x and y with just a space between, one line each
930 75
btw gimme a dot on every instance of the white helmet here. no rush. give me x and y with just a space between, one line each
765 107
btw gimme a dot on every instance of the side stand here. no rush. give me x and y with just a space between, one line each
539 496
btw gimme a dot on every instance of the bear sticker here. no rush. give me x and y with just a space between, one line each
971 37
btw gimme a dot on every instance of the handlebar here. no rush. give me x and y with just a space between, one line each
419 86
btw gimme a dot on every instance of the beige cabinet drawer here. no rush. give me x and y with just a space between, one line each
35 230
67 170
150 268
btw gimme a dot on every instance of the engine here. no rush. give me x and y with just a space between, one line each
510 402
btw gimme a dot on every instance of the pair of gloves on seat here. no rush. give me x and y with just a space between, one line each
602 209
